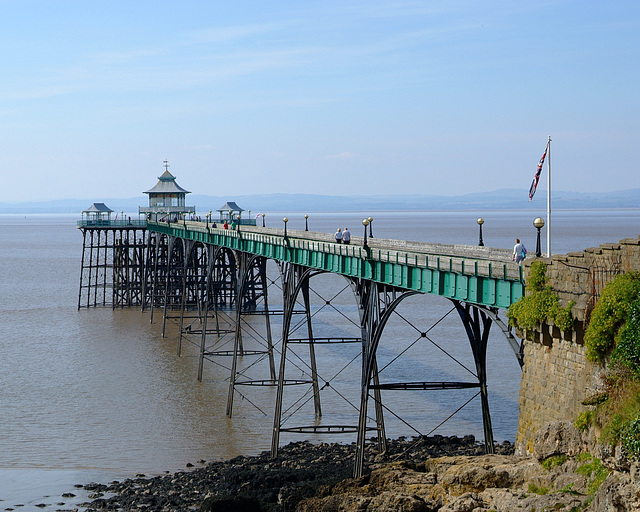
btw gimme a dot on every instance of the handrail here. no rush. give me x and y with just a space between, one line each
454 263
110 223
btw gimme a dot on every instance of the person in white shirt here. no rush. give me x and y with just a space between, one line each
519 251
346 236
338 236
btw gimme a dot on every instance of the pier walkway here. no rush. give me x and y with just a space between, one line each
474 274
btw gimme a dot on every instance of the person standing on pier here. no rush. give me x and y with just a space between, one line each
346 236
519 251
338 236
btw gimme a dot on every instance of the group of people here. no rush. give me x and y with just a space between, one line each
343 236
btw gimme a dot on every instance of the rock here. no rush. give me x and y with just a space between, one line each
230 504
620 492
557 438
451 484
430 475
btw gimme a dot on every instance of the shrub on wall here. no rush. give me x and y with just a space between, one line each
610 314
540 304
627 350
631 438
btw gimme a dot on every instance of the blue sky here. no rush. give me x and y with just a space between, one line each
330 97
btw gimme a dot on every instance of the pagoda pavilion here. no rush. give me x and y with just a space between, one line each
98 214
167 198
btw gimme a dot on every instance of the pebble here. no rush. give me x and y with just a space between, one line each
263 483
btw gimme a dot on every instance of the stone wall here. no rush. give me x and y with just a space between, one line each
557 376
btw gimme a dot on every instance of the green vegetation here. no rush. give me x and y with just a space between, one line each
614 330
627 349
554 461
610 315
540 304
594 471
584 420
534 489
618 415
631 437
568 489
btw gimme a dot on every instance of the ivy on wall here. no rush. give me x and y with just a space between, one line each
540 304
610 314
614 334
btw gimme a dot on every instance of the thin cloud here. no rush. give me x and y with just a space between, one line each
233 33
345 155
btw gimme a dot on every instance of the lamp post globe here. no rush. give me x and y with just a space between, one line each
365 223
480 223
370 227
538 223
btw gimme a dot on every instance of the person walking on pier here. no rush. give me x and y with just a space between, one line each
519 251
338 236
346 236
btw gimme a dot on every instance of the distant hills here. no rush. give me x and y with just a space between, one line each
505 199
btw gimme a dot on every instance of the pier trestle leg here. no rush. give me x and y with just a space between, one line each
477 324
251 287
377 304
295 280
193 286
173 290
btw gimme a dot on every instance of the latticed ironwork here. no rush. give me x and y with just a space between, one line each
209 281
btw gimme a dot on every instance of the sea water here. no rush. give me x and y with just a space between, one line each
98 394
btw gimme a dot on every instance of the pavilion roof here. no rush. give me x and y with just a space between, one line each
230 205
167 185
98 208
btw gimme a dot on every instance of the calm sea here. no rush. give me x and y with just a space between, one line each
97 395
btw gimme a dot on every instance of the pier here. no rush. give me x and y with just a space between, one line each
208 280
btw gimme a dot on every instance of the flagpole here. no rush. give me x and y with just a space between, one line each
549 198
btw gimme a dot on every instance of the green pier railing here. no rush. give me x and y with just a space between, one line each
478 275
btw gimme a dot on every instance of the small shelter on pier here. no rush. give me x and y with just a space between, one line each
229 210
167 198
98 214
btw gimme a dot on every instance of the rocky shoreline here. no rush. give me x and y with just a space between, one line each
259 483
426 474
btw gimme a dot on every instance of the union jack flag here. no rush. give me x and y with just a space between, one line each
536 178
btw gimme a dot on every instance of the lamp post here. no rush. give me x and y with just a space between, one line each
365 223
238 217
263 220
306 222
539 224
480 223
207 218
285 220
370 227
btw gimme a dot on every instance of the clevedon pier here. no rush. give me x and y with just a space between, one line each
245 296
